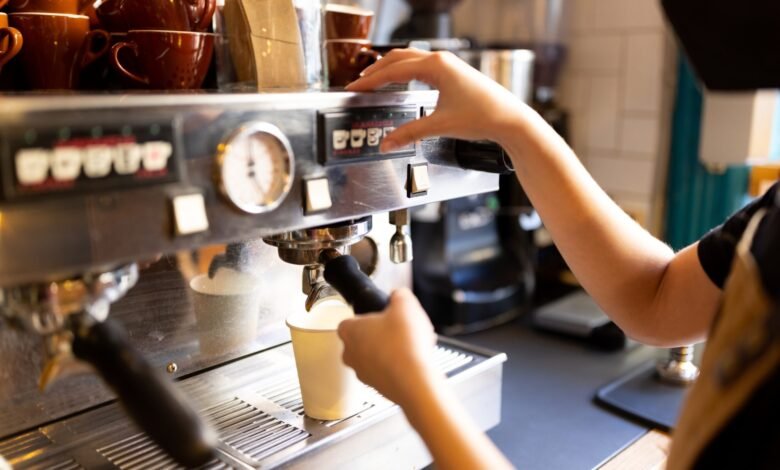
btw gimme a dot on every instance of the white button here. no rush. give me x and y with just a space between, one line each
32 166
66 163
420 180
388 130
156 155
317 195
97 161
374 135
357 138
189 213
127 158
340 139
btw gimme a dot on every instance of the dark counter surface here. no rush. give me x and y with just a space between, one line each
549 419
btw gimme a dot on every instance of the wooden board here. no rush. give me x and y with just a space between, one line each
650 452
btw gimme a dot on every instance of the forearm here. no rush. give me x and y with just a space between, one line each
451 435
619 263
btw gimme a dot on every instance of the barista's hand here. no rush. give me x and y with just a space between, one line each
471 106
390 350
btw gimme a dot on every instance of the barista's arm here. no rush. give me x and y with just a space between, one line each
655 295
393 352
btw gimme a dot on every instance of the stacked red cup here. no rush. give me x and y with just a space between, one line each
160 44
59 43
348 49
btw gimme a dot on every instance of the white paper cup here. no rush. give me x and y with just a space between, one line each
226 310
330 389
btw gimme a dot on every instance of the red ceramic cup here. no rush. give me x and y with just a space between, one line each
56 48
67 7
347 58
347 22
10 41
165 60
170 15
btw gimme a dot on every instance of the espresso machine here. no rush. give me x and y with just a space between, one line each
113 206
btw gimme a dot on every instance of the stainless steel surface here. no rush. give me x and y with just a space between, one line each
255 403
679 368
401 242
511 68
103 228
303 247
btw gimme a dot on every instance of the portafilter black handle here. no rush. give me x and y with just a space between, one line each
344 274
149 397
484 156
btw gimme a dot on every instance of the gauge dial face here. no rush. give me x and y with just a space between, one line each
256 168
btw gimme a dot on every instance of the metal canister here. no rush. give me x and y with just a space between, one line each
512 68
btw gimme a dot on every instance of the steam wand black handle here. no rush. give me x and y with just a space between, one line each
149 397
344 274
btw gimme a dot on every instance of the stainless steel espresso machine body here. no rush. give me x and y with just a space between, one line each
115 207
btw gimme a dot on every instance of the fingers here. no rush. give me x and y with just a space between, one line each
411 132
398 72
392 57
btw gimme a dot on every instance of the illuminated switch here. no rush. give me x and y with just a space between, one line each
189 212
66 163
156 155
419 183
374 136
97 161
317 195
127 158
340 139
357 138
32 166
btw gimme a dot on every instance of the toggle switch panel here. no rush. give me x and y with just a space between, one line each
418 182
316 195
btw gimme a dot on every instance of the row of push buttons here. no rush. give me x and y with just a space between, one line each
359 138
66 163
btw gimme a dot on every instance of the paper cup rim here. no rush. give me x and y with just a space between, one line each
350 41
308 330
252 291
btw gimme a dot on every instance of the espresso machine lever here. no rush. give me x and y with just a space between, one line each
72 315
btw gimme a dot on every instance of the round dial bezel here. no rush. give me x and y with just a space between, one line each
245 132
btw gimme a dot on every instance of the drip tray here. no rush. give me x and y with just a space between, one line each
255 405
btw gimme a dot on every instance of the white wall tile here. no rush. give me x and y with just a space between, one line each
602 114
627 15
643 75
573 92
635 177
640 135
595 53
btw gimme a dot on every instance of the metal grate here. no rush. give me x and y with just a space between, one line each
448 360
137 452
25 445
250 431
51 463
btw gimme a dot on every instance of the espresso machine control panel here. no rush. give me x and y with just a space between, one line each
348 136
45 160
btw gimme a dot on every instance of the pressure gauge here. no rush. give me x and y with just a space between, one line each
255 167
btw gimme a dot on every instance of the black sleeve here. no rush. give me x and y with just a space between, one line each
716 248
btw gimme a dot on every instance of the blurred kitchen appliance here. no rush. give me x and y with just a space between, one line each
474 263
429 19
101 193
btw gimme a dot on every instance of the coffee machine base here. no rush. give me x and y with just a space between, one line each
255 404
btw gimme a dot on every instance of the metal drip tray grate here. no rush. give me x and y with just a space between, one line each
254 404
250 431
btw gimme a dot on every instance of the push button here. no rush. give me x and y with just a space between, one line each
189 213
32 166
316 195
418 182
66 163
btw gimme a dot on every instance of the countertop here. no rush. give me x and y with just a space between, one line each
549 419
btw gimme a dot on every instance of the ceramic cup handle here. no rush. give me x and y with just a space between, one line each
15 42
88 53
202 23
117 63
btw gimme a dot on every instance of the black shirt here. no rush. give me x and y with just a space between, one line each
717 247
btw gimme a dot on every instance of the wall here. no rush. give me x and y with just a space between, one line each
618 85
